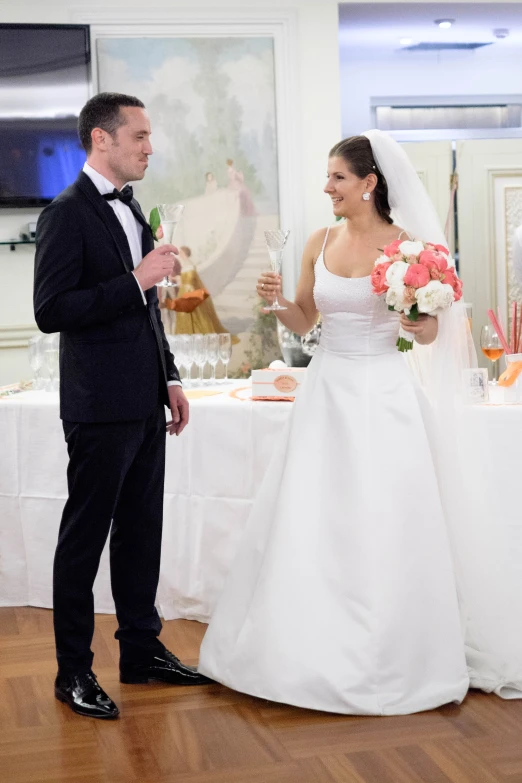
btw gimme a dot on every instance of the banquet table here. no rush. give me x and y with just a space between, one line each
212 474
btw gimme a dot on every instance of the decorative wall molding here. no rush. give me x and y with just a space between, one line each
500 181
17 335
512 220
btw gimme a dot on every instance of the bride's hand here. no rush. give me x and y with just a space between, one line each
424 329
268 286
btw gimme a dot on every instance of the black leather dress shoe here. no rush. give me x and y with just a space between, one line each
163 666
84 696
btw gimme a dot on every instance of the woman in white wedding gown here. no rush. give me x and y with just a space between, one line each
342 595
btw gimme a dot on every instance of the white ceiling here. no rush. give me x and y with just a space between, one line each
379 26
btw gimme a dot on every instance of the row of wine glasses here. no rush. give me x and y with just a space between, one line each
44 358
200 350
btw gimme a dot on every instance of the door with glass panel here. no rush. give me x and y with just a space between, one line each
489 201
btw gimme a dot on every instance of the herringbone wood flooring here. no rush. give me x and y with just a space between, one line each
213 735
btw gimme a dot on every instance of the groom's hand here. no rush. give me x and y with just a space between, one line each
179 408
159 263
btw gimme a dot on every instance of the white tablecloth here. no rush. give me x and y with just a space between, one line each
213 472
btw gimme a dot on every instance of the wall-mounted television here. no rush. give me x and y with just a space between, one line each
44 82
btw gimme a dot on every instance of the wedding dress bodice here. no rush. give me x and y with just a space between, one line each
354 320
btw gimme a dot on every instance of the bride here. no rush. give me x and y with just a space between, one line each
342 596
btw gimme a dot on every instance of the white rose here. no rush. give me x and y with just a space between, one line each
395 297
410 248
434 296
395 273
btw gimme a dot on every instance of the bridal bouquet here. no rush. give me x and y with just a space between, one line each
415 277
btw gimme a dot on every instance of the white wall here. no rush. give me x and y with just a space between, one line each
317 106
488 71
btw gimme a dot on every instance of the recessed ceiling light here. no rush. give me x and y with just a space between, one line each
406 41
444 24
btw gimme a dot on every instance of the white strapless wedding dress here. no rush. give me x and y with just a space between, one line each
342 595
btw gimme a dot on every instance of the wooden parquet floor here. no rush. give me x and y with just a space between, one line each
210 734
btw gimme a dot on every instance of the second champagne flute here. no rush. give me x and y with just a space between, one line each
170 215
275 242
200 354
225 351
212 354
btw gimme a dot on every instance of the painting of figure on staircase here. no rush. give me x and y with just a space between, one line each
212 107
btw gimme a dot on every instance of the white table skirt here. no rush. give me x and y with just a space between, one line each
213 472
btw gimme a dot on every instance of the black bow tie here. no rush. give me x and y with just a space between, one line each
124 195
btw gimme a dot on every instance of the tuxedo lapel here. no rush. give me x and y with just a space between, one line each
106 213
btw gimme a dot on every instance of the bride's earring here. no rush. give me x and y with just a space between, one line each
366 196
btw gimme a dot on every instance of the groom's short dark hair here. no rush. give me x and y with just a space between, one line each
103 111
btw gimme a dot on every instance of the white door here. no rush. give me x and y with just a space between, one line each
489 209
433 161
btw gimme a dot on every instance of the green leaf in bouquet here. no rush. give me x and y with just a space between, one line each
414 313
154 221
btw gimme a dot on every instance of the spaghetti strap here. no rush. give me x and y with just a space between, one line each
404 232
325 239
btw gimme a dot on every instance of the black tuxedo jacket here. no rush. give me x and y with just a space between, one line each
114 359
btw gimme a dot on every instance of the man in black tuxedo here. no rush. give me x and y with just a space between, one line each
96 272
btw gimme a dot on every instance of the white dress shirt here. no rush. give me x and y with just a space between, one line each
133 229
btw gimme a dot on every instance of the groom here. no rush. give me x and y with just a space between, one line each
96 272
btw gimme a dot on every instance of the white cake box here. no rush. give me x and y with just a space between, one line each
277 382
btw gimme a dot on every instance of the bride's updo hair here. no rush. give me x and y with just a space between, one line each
356 151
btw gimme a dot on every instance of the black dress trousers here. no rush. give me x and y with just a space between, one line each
115 479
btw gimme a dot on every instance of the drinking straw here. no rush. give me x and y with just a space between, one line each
498 328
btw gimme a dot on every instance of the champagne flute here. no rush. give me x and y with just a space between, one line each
36 360
200 354
225 351
170 215
275 242
188 350
491 347
51 351
212 354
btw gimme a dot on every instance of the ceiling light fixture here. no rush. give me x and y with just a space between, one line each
406 41
444 24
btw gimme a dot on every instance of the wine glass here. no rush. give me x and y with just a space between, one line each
188 350
275 242
170 215
36 360
176 346
212 354
199 342
225 351
491 347
51 351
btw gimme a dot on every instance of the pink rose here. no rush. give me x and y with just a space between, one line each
442 249
391 250
417 276
432 259
412 259
450 278
409 295
378 277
